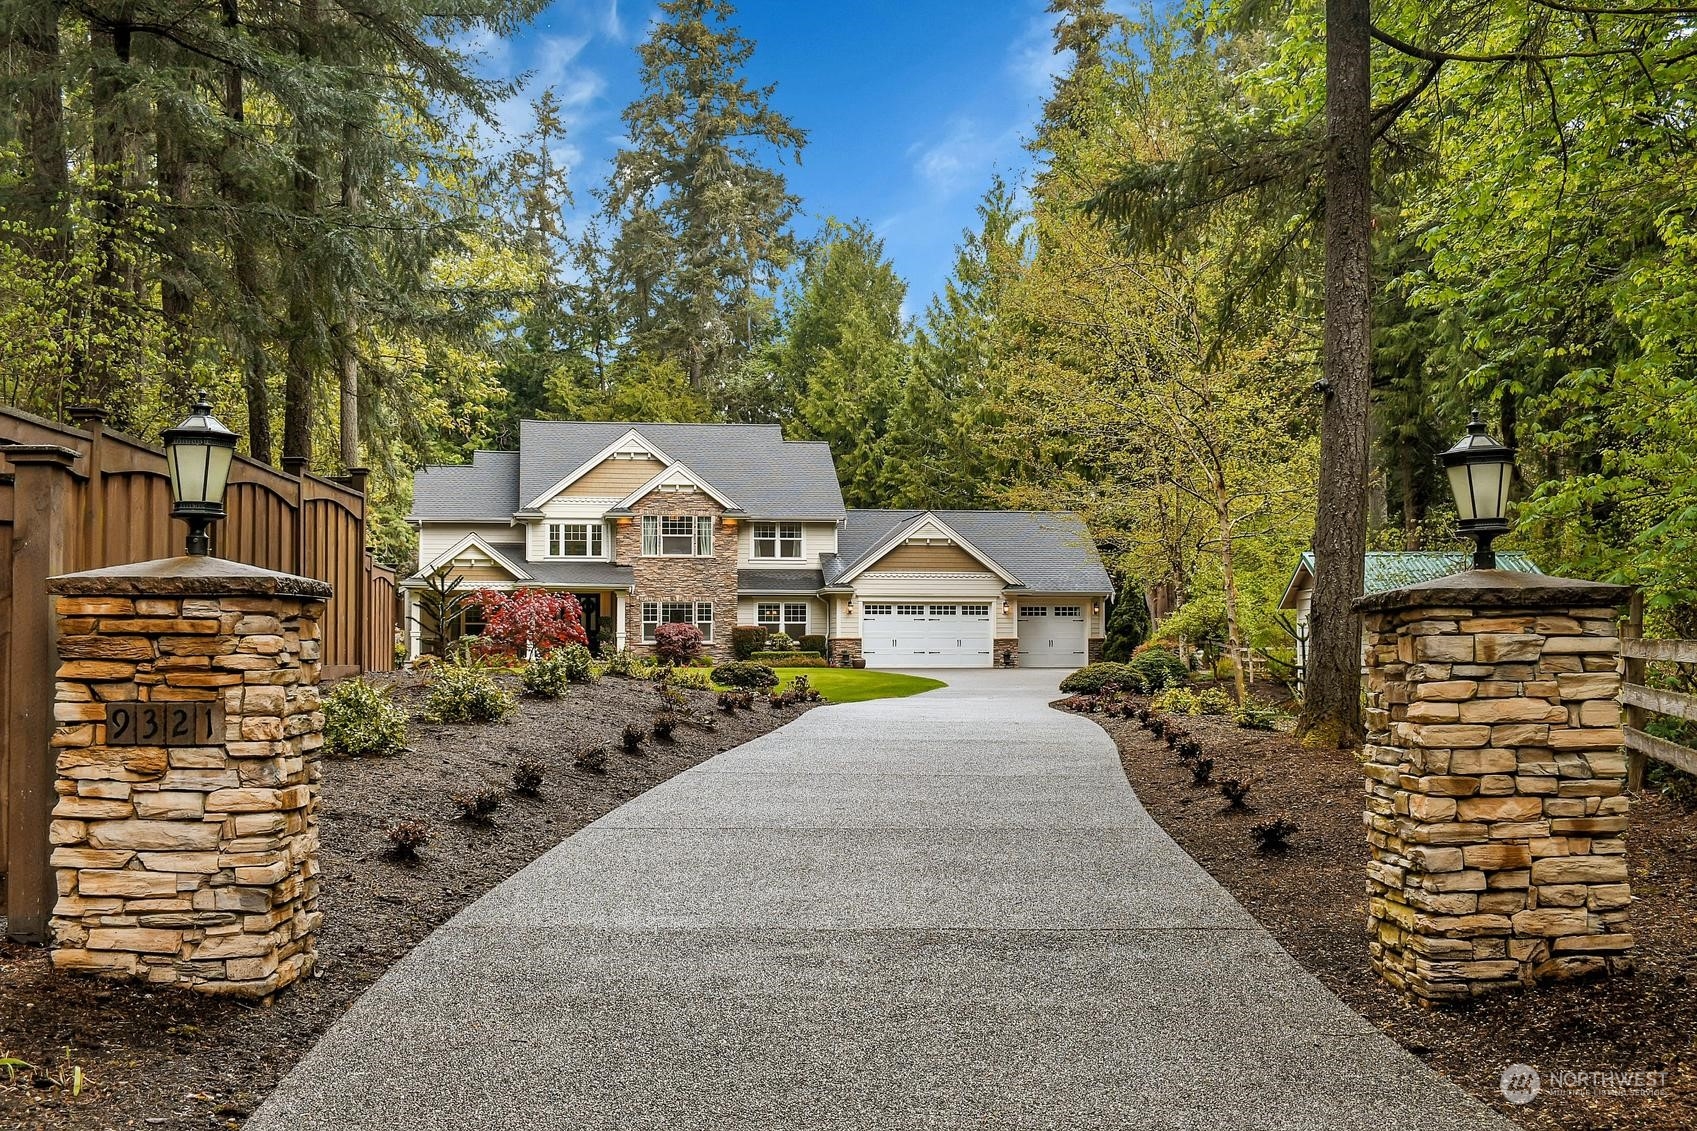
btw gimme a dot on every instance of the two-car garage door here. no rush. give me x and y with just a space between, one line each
928 634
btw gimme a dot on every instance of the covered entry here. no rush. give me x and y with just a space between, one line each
926 634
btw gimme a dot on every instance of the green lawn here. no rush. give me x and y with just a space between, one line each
856 685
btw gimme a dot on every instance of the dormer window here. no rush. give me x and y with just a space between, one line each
777 541
574 540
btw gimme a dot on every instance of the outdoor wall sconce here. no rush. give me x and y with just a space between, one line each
1095 607
199 452
1006 607
1480 470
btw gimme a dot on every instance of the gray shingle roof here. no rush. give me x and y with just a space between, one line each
581 575
751 464
1049 551
486 489
779 580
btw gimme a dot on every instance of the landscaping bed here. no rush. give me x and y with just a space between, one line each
178 1060
1312 900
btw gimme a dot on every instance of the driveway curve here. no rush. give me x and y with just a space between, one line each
947 911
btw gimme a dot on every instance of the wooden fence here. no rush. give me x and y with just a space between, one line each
1642 701
83 497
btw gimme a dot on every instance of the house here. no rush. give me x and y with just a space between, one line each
725 524
1387 570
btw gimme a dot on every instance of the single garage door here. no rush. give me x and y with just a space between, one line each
1051 636
925 634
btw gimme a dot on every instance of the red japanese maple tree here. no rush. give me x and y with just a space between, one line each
530 619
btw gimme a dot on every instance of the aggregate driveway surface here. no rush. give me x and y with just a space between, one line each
947 911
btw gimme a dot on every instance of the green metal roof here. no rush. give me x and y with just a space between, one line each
1397 569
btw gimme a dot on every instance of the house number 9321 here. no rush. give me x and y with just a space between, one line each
162 724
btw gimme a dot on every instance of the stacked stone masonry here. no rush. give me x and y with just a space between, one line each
1495 805
191 866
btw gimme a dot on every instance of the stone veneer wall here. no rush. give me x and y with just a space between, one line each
835 647
1495 810
680 579
1094 655
192 866
1006 654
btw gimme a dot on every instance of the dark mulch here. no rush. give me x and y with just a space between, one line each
177 1060
1313 902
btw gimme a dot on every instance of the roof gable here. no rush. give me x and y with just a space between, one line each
478 546
630 446
676 475
1048 551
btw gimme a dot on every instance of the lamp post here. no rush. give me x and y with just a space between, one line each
1479 471
198 452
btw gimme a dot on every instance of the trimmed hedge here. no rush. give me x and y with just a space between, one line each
1092 678
746 640
1160 668
813 642
790 659
745 674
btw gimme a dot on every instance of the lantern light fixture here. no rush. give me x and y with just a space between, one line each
1480 470
198 453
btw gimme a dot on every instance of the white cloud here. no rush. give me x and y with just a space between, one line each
1032 60
962 158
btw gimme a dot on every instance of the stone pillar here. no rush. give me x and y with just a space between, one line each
1006 653
185 837
1495 807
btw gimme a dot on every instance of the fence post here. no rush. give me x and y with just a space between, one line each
356 478
41 548
1636 761
296 466
92 419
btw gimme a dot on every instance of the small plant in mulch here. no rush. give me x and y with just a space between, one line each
1272 838
592 760
1080 704
406 839
670 696
664 724
631 739
1157 726
362 721
528 777
547 676
478 808
1187 751
1234 790
802 691
1256 716
1176 736
1201 770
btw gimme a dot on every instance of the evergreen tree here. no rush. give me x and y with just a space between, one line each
1128 622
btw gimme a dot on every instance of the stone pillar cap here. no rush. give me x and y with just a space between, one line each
1496 588
187 576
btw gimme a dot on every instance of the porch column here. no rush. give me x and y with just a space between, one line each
619 602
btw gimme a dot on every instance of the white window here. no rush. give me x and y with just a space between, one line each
574 539
1068 611
795 620
1033 611
777 540
791 620
677 536
975 610
878 610
656 613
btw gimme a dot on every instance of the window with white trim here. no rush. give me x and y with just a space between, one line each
574 539
657 613
677 536
790 619
777 541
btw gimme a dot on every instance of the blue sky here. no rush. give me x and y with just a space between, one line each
909 105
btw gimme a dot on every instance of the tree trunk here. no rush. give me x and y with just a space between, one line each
302 310
243 255
109 112
41 106
1331 711
347 355
1228 571
176 304
1410 506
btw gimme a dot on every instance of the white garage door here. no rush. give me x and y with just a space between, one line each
925 634
1051 636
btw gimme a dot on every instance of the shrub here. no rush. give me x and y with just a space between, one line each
1177 701
1255 716
780 642
676 643
802 691
730 700
631 738
664 724
465 693
1201 770
1080 703
527 621
478 808
1093 679
1234 790
528 777
790 659
671 697
745 674
593 760
579 664
1159 668
1157 726
1272 838
696 679
406 838
813 642
1215 701
546 676
1189 750
746 640
361 721
622 664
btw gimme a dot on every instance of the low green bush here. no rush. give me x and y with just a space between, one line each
746 674
1215 701
579 664
746 640
1093 678
790 659
361 721
780 642
1160 668
547 676
813 642
624 664
465 693
697 679
1177 701
1255 716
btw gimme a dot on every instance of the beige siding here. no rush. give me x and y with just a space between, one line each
484 575
816 538
940 559
435 539
615 478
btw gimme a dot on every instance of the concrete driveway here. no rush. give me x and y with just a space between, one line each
947 911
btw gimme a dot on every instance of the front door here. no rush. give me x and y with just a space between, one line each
591 603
